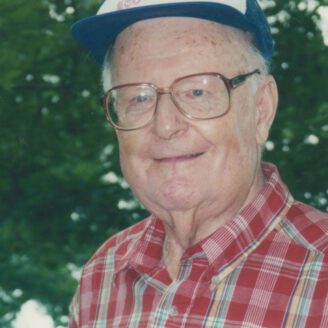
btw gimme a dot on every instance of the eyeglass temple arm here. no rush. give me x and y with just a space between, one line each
236 81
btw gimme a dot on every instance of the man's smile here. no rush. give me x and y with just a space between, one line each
178 158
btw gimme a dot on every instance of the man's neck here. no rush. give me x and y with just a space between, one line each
185 229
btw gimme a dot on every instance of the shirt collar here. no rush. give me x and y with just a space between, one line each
239 237
143 252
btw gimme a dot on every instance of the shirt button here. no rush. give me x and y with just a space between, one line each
173 311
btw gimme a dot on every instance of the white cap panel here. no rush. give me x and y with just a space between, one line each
114 5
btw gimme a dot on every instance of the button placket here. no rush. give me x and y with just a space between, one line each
173 311
166 309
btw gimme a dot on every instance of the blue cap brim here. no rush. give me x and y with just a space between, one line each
97 33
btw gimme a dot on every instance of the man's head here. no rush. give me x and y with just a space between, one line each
178 164
175 162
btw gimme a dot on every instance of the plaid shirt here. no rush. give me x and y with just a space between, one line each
268 267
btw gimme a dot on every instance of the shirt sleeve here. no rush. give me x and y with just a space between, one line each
74 310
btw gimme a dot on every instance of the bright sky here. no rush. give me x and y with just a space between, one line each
323 11
33 315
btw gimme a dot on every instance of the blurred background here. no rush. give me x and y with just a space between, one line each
61 191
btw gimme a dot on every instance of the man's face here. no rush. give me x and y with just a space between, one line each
178 164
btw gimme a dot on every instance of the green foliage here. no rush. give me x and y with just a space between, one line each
301 70
54 208
56 147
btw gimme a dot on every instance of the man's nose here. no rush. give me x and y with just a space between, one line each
169 122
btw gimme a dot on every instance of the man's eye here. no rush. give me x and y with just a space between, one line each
140 99
193 95
197 93
138 104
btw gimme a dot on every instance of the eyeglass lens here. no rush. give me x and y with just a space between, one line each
199 97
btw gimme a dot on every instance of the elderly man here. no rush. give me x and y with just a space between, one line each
189 95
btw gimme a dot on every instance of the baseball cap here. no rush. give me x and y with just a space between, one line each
97 33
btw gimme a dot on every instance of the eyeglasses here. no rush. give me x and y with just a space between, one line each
201 96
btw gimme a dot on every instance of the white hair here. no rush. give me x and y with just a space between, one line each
106 73
255 60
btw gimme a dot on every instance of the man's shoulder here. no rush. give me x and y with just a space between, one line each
308 226
121 241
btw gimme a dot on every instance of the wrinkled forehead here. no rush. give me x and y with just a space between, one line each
173 34
173 25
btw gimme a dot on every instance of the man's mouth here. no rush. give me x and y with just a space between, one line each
181 158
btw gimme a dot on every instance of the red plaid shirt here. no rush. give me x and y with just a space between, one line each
268 267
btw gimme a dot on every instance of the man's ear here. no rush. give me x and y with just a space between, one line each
266 106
